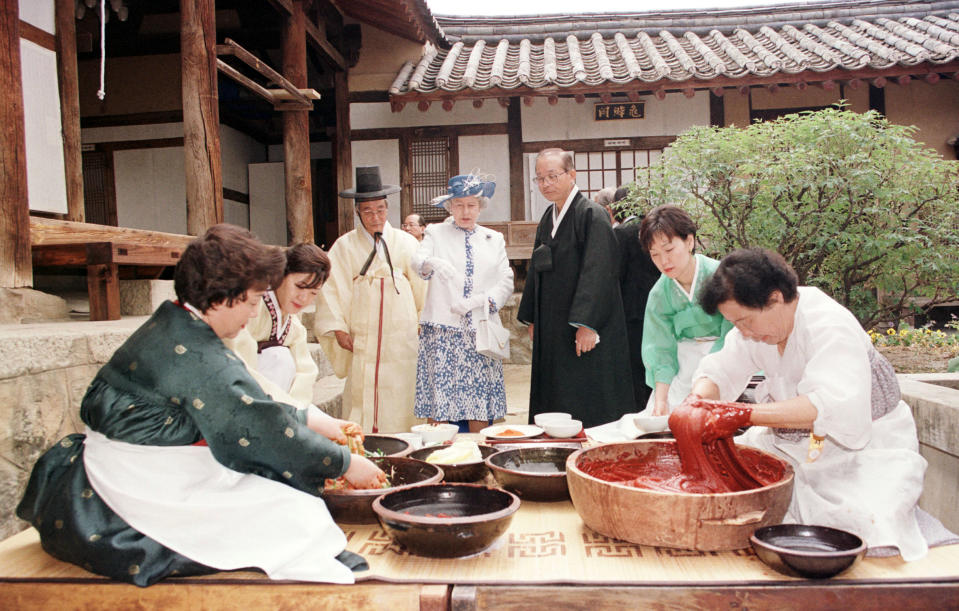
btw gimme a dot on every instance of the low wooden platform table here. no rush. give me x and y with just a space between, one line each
547 557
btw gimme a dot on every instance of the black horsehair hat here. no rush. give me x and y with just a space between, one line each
368 185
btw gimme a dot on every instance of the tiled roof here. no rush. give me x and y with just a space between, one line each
410 19
851 36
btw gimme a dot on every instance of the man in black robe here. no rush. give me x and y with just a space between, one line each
573 306
637 274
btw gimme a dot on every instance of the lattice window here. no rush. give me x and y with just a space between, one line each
430 159
598 169
98 196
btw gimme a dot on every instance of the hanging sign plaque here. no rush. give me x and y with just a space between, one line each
619 110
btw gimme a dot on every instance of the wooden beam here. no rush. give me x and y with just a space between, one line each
70 107
932 78
296 132
39 37
342 151
319 40
593 144
201 121
44 231
16 269
431 131
406 174
478 103
244 80
514 132
232 48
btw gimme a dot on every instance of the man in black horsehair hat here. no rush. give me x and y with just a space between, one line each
367 312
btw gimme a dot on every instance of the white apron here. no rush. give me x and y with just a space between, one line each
276 363
183 498
688 352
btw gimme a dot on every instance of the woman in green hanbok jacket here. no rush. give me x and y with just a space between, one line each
186 466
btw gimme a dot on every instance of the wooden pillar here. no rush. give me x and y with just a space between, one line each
517 190
296 133
201 116
70 107
15 264
342 151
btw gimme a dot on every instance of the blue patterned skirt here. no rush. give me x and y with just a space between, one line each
453 380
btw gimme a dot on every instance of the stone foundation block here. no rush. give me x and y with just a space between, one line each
27 305
142 297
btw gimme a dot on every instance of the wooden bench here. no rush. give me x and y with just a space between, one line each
519 236
104 252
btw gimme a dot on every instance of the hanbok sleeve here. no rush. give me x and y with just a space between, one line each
837 380
334 306
730 368
659 348
301 390
251 433
526 312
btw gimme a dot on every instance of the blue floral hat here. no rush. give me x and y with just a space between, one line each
467 185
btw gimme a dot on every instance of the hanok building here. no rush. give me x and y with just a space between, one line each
618 88
256 111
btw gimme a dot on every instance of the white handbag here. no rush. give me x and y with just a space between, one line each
492 339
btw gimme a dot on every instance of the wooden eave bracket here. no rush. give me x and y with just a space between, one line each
288 97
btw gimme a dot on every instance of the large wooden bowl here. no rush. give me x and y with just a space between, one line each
356 506
706 522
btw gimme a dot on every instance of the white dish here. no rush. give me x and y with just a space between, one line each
436 433
541 419
527 430
563 428
651 424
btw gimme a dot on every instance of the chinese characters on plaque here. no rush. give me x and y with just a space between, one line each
619 110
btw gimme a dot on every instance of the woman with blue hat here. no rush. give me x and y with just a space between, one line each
470 281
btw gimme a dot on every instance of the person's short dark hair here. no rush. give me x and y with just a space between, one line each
621 193
419 220
749 276
669 220
222 264
307 258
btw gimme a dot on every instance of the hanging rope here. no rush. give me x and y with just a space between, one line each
102 92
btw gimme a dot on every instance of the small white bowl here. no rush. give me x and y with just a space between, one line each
541 419
440 432
562 428
651 424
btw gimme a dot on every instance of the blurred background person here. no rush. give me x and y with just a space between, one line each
605 198
414 226
637 275
470 279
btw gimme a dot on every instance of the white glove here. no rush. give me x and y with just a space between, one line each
442 269
466 304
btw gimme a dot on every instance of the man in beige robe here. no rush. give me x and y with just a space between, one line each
367 312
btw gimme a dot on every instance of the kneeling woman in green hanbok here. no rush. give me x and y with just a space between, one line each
186 466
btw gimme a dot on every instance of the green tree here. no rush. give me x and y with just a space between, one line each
853 202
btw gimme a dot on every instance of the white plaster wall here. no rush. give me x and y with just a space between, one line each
386 154
122 133
151 189
237 151
366 116
39 13
568 120
46 175
489 154
268 202
236 213
318 150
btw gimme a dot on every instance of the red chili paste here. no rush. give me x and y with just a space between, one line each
703 460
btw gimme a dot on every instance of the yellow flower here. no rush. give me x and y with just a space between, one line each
891 331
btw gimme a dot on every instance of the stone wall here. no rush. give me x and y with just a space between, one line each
44 372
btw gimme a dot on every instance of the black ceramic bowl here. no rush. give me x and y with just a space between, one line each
459 472
816 552
356 506
446 520
386 445
535 474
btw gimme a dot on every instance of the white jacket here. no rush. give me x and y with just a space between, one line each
492 275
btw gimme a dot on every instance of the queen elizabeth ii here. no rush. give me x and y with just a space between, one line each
470 280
